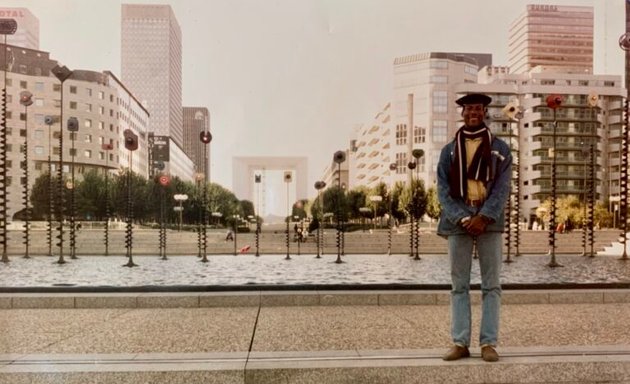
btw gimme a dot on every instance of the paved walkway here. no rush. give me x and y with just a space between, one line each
306 337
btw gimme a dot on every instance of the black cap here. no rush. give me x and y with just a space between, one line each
474 98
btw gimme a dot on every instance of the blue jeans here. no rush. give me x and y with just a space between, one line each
489 248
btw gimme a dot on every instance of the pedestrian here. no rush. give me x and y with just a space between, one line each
230 235
474 176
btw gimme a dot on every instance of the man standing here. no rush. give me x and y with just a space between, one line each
474 175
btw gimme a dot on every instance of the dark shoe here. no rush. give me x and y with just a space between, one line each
489 354
455 353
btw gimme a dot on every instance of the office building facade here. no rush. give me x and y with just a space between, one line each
151 64
552 36
27 34
197 120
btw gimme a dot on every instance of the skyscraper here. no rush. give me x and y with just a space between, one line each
196 120
27 34
151 64
552 36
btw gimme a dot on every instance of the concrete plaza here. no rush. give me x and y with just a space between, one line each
559 336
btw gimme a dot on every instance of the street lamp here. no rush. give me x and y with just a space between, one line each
257 180
392 168
205 137
49 120
7 27
624 43
26 99
339 157
131 144
417 155
73 128
553 102
287 180
198 178
412 228
107 148
513 111
180 198
319 185
62 74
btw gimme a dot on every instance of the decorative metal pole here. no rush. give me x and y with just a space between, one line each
417 155
257 180
26 99
319 185
412 229
206 138
62 74
287 179
339 157
553 102
7 27
624 44
49 120
107 148
73 128
591 202
392 168
131 144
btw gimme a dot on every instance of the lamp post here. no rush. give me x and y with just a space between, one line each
417 155
339 157
513 112
553 102
287 180
257 180
26 99
392 168
205 137
7 27
107 148
624 44
62 74
593 101
131 144
412 228
73 128
198 178
319 185
49 120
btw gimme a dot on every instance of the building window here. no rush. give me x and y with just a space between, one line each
23 84
39 86
89 91
101 125
56 87
401 162
101 110
73 105
39 102
87 153
101 95
73 89
439 79
401 134
88 107
39 134
88 138
419 134
440 101
87 123
439 131
439 64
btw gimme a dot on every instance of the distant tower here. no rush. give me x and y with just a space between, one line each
196 120
552 36
151 64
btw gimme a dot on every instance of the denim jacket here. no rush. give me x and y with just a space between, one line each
497 189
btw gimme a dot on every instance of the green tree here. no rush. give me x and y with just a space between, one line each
90 196
355 199
335 202
414 199
434 209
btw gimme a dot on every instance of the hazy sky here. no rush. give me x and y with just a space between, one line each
293 77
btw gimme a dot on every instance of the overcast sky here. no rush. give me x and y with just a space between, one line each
293 77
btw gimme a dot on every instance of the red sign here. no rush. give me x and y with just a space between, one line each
164 180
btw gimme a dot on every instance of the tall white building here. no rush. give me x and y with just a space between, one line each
552 35
27 34
152 69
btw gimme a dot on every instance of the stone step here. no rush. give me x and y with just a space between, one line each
569 365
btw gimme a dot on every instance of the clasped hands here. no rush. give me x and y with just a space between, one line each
476 225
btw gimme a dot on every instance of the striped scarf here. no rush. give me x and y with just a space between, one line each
479 169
